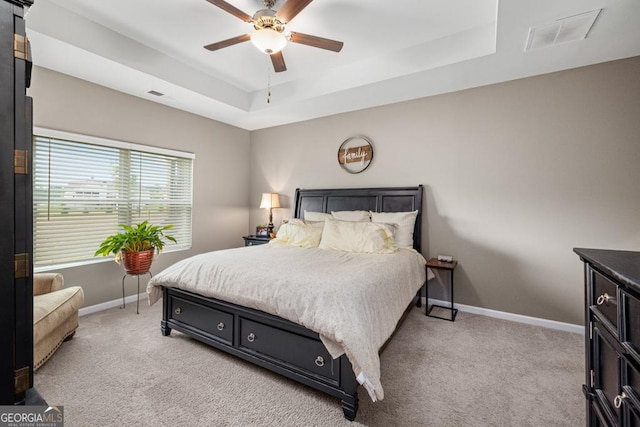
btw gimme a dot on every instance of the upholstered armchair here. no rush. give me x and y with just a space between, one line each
55 314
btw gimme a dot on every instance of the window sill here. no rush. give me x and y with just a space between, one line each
97 260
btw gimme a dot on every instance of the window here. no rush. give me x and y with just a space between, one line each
84 187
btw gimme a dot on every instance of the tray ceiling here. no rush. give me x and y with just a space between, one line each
393 51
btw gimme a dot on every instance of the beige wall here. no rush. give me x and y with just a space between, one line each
221 168
515 174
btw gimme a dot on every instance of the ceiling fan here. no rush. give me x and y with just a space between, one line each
269 36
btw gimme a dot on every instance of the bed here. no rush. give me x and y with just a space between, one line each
282 337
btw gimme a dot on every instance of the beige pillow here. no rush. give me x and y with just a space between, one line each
299 221
358 216
318 224
316 216
297 233
353 236
403 222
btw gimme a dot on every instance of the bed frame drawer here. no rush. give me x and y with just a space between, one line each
215 322
288 348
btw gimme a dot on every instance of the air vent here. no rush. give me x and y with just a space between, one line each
155 93
563 30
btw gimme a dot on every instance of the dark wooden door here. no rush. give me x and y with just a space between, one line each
16 207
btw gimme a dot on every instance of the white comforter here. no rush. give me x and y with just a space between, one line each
354 301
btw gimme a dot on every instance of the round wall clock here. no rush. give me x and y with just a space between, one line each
355 154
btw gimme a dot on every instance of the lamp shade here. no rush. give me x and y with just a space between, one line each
270 200
268 41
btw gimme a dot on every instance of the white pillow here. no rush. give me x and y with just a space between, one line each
358 216
316 216
297 233
352 236
404 223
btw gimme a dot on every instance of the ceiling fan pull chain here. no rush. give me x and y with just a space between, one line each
268 79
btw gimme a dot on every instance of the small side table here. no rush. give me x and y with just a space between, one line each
138 294
441 265
256 240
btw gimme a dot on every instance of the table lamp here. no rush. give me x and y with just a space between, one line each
270 201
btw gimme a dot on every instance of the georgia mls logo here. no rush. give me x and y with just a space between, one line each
56 411
31 416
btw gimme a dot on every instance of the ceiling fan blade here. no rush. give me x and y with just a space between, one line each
290 9
316 41
228 42
231 9
278 62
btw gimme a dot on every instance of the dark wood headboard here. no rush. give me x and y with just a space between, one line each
392 199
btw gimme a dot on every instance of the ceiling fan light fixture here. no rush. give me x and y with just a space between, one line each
268 41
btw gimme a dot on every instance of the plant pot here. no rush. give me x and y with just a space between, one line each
136 263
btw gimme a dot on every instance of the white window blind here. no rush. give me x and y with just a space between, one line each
82 191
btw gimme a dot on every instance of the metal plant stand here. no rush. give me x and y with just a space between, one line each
138 294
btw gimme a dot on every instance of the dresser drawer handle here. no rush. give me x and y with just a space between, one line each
605 298
251 337
178 310
220 326
617 401
319 361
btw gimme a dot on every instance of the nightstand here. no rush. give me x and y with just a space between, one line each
441 265
255 240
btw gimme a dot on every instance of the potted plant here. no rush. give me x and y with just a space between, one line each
136 245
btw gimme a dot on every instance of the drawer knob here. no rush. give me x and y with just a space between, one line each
220 326
604 298
178 310
319 361
251 337
617 401
250 244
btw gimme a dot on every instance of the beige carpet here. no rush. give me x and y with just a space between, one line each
478 371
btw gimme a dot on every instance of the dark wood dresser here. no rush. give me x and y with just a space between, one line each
612 314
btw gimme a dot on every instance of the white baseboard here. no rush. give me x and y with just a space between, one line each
552 324
111 304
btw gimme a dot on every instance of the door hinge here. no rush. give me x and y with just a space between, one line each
593 379
590 331
21 162
21 265
21 380
20 47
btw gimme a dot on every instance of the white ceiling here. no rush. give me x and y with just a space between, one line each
393 51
